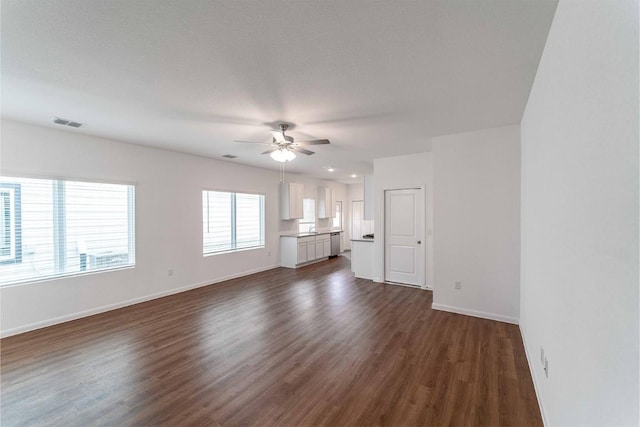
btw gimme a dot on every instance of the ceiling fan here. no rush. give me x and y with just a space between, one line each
283 147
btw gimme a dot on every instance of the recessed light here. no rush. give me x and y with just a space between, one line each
330 169
353 175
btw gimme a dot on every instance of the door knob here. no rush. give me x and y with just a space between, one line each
419 241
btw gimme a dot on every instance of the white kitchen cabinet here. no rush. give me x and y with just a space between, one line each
302 252
326 203
323 245
311 251
298 250
369 196
306 249
291 195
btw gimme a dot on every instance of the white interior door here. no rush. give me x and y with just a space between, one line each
404 253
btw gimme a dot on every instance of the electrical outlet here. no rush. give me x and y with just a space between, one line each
458 284
542 355
170 272
546 367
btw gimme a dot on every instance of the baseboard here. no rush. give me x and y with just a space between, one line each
536 388
474 313
85 313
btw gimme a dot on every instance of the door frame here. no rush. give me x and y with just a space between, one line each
423 276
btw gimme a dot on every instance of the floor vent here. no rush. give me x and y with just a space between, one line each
230 156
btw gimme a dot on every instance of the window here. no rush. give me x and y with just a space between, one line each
10 220
337 220
231 221
308 221
53 228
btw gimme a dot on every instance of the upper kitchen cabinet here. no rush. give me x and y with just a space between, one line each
326 203
291 195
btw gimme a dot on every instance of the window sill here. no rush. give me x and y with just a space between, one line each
230 251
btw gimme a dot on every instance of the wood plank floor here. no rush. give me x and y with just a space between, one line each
312 346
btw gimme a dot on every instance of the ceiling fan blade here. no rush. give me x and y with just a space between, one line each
302 150
314 142
270 150
278 136
254 142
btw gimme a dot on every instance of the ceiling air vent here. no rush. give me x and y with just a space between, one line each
65 122
59 121
230 156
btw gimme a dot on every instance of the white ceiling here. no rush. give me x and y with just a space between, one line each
377 78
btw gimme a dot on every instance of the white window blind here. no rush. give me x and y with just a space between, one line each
231 221
337 220
59 228
9 240
308 220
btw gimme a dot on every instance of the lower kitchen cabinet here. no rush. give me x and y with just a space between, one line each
302 253
298 250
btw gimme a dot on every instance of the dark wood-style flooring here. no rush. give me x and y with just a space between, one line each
312 346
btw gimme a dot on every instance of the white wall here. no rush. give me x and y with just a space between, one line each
402 172
580 217
477 223
168 221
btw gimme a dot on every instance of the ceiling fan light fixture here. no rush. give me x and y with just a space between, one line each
283 155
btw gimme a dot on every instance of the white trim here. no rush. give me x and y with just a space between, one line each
406 285
423 189
536 388
474 313
56 320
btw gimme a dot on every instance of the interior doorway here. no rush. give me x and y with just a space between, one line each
404 230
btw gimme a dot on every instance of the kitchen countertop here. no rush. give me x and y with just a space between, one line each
310 234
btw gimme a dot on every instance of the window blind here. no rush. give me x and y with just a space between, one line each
337 220
58 228
308 215
231 221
